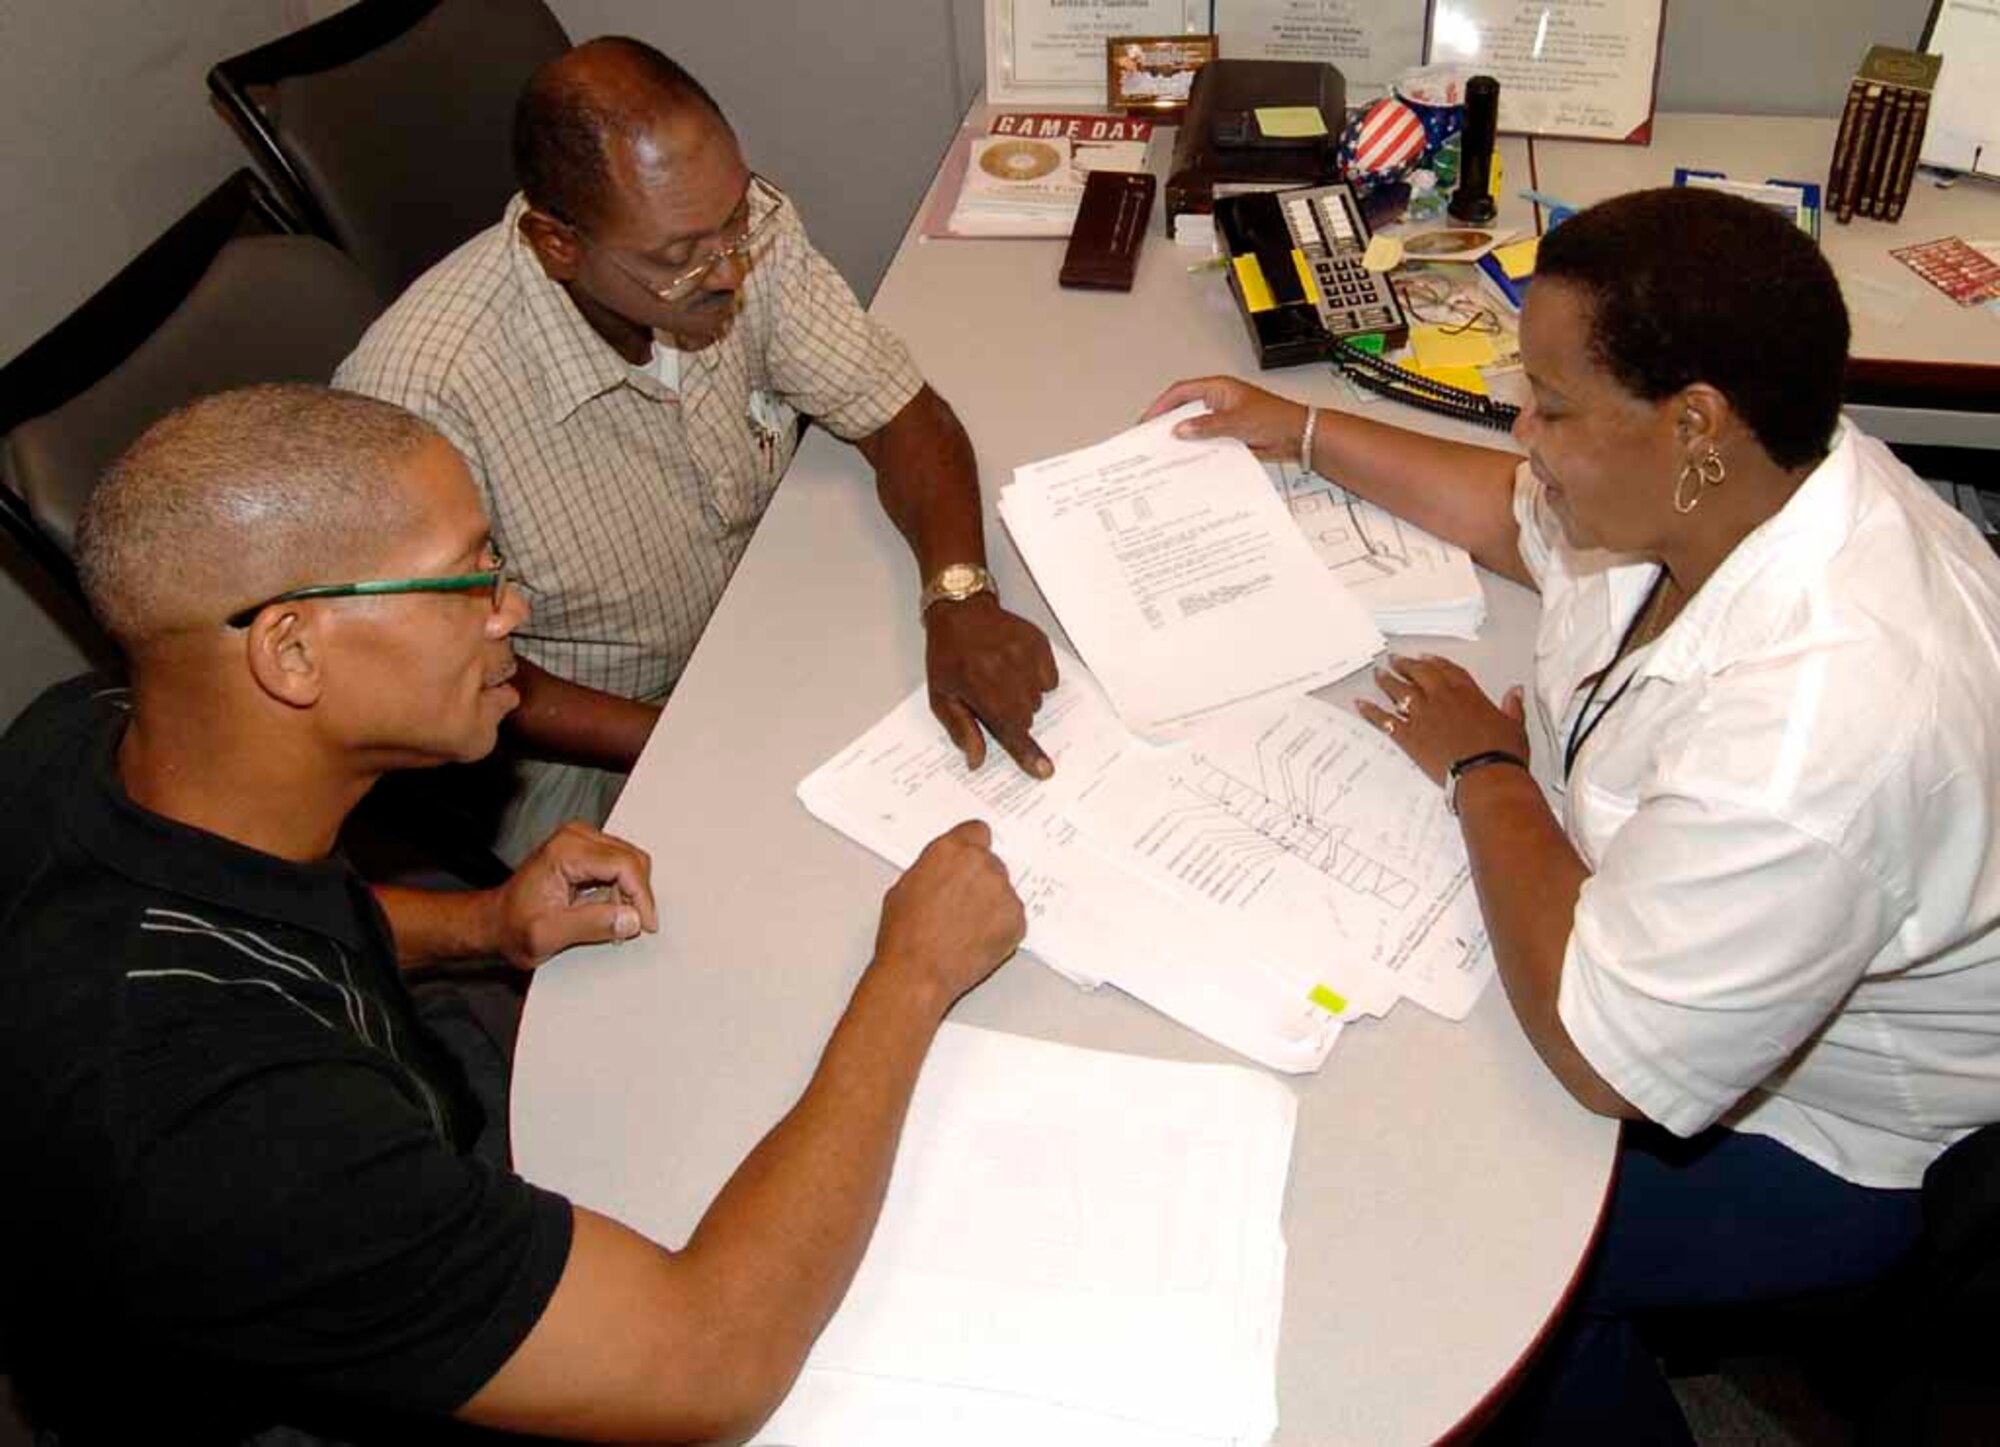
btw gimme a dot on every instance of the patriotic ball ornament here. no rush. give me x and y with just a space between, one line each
1383 144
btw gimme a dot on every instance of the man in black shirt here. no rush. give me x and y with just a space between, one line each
247 1188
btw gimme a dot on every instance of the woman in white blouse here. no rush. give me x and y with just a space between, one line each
1758 923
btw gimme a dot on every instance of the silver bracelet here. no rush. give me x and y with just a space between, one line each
1306 441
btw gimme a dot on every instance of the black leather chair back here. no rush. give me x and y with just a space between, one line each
389 124
223 299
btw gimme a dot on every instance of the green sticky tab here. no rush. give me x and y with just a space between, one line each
1328 1001
1291 122
1374 343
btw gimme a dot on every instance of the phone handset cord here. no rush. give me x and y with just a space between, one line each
1400 384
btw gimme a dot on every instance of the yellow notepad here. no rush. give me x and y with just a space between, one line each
1291 121
1436 347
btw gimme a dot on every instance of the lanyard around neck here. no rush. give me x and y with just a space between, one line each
1586 725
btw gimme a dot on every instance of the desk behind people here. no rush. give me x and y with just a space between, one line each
1913 347
1444 1188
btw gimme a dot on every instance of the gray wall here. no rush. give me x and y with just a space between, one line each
106 134
105 138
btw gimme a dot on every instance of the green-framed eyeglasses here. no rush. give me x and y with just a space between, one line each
495 578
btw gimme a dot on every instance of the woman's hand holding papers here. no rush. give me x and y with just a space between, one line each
953 918
1271 425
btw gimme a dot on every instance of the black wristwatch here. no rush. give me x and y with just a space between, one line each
1467 764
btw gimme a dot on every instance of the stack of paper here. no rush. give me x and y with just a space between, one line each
1018 185
1286 871
1032 185
1409 581
1078 1249
1181 578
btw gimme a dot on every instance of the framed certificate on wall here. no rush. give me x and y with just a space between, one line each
1051 52
1581 69
1370 42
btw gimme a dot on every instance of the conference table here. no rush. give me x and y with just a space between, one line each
1444 1189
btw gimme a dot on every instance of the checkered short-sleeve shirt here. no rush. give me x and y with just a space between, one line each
623 507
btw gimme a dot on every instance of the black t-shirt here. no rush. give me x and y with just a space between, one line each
239 1180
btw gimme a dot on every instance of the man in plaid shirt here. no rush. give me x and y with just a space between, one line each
624 360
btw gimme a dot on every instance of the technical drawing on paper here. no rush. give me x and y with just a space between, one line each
1292 807
1357 540
1312 834
1410 581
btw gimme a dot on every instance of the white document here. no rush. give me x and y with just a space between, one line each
1073 1242
1409 581
1180 577
1372 41
1319 843
1091 915
1576 68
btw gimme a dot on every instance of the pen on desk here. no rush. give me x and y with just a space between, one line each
1543 198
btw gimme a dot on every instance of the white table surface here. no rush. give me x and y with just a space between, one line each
1896 315
1444 1188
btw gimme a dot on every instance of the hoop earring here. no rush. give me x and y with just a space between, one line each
1696 478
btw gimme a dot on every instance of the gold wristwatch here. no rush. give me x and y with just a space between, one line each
955 583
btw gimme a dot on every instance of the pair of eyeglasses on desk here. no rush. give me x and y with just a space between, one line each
1438 302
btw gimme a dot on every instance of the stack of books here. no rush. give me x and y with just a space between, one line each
1881 132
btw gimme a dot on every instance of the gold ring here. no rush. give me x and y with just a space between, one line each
1389 727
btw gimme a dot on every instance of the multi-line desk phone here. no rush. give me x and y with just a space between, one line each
1294 265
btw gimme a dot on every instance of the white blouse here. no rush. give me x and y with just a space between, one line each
1789 818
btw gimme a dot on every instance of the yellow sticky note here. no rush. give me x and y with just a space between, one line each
1466 379
1384 253
1517 258
1305 271
1328 1001
1250 276
1436 347
1291 121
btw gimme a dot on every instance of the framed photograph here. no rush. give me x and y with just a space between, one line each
1051 52
1153 72
1579 69
1371 41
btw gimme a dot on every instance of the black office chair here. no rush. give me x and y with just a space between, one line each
388 124
226 297
1906 1361
1938 1385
